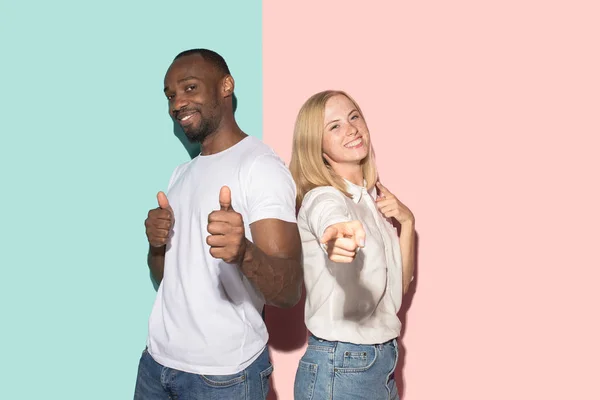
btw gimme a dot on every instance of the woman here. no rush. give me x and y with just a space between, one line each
356 266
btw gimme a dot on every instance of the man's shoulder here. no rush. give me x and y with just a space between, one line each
179 169
254 148
259 154
183 165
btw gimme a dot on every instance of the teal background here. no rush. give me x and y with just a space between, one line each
86 143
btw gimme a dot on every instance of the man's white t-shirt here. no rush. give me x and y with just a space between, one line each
206 317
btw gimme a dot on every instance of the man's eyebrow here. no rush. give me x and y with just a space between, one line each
187 78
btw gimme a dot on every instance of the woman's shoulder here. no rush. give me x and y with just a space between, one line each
322 193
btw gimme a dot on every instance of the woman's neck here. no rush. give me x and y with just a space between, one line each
351 173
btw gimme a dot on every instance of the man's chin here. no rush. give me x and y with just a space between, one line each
189 132
195 137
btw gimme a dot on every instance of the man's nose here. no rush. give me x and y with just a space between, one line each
178 102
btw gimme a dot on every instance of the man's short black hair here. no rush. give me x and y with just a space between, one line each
211 56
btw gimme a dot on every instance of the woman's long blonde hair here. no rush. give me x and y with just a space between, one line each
308 167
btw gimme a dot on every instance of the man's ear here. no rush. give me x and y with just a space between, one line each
228 85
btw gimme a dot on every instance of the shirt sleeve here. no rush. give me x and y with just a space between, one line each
271 191
174 176
323 207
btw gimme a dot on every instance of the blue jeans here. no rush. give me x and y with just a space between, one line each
155 382
338 370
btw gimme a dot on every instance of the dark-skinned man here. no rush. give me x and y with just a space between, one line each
223 242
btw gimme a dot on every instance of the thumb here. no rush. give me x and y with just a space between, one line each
360 235
163 202
225 199
330 233
356 230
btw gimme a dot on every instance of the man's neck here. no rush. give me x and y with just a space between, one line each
222 139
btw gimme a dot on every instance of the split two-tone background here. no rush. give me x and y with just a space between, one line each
485 117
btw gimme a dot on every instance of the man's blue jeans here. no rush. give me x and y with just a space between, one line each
155 382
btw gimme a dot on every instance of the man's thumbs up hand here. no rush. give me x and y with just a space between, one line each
227 238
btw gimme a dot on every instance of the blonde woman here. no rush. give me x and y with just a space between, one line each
357 265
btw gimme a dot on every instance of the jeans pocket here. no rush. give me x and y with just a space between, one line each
355 359
358 361
304 385
223 381
264 377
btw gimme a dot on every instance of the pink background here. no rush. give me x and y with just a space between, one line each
485 117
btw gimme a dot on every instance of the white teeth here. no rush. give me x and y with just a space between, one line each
186 117
354 143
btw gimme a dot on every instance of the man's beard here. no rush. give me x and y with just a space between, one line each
207 126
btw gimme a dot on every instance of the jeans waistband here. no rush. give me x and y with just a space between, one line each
323 342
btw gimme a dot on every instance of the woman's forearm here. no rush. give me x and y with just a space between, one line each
407 249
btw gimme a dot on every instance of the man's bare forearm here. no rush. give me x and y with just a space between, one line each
279 279
156 262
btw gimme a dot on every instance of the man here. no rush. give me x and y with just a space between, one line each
223 242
